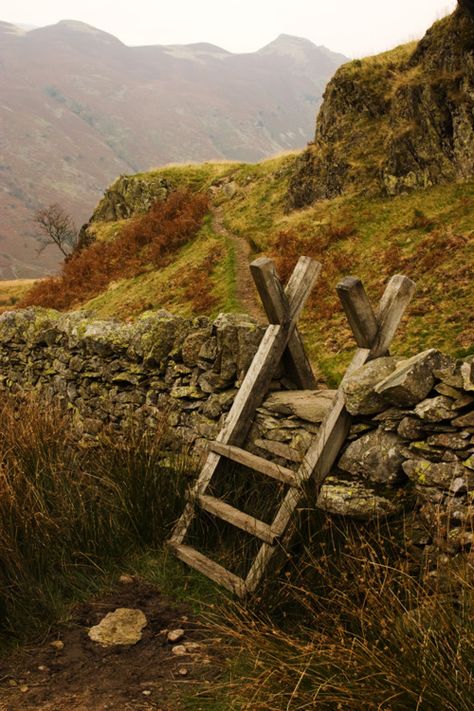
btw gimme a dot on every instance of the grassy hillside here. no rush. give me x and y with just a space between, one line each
11 291
428 235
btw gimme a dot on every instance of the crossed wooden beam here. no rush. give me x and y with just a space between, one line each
373 331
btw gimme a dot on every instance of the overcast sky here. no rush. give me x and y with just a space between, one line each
354 27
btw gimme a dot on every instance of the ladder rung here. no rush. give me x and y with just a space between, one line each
252 461
208 567
237 518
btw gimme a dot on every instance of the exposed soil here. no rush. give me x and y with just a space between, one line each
83 676
245 290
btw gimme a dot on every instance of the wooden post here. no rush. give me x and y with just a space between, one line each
276 302
257 379
373 342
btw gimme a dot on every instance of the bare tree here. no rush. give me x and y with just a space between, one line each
57 227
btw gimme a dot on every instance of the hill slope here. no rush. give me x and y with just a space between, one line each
428 235
425 232
78 108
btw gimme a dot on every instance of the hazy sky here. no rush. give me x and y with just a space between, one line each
354 27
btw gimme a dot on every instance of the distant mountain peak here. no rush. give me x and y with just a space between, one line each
7 28
195 51
299 49
79 29
285 42
79 26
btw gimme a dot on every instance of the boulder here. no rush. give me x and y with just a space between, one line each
466 420
359 388
411 428
435 409
449 372
444 475
353 498
467 373
238 338
122 627
193 344
412 380
449 440
309 405
376 456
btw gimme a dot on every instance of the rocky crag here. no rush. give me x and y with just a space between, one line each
396 122
410 452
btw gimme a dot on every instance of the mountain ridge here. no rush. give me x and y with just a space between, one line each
87 108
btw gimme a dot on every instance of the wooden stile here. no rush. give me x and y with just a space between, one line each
373 332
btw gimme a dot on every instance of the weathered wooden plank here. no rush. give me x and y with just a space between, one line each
237 518
317 463
253 461
334 429
239 419
253 389
209 568
397 296
277 307
270 290
258 567
300 284
322 454
272 346
358 310
374 333
292 499
255 384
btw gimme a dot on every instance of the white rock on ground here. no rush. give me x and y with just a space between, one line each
123 626
175 635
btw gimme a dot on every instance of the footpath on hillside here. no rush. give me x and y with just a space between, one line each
245 291
173 666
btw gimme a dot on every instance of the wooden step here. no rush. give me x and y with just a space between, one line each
237 518
252 461
209 568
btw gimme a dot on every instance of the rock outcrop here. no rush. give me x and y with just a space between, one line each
398 121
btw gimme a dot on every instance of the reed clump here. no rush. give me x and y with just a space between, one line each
69 513
354 625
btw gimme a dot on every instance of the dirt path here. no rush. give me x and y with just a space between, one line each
83 676
245 290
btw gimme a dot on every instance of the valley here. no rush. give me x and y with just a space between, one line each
78 108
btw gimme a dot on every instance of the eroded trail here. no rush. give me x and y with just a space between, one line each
245 290
70 672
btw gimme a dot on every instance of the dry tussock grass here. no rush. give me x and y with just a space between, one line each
68 513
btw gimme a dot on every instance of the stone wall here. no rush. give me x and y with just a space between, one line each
411 446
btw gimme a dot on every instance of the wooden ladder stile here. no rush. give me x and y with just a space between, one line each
373 332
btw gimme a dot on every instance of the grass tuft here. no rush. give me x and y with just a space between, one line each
70 514
351 626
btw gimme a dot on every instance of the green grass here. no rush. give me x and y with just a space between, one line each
352 621
427 235
195 176
385 235
166 287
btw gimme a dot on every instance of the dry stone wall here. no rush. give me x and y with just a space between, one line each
410 451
